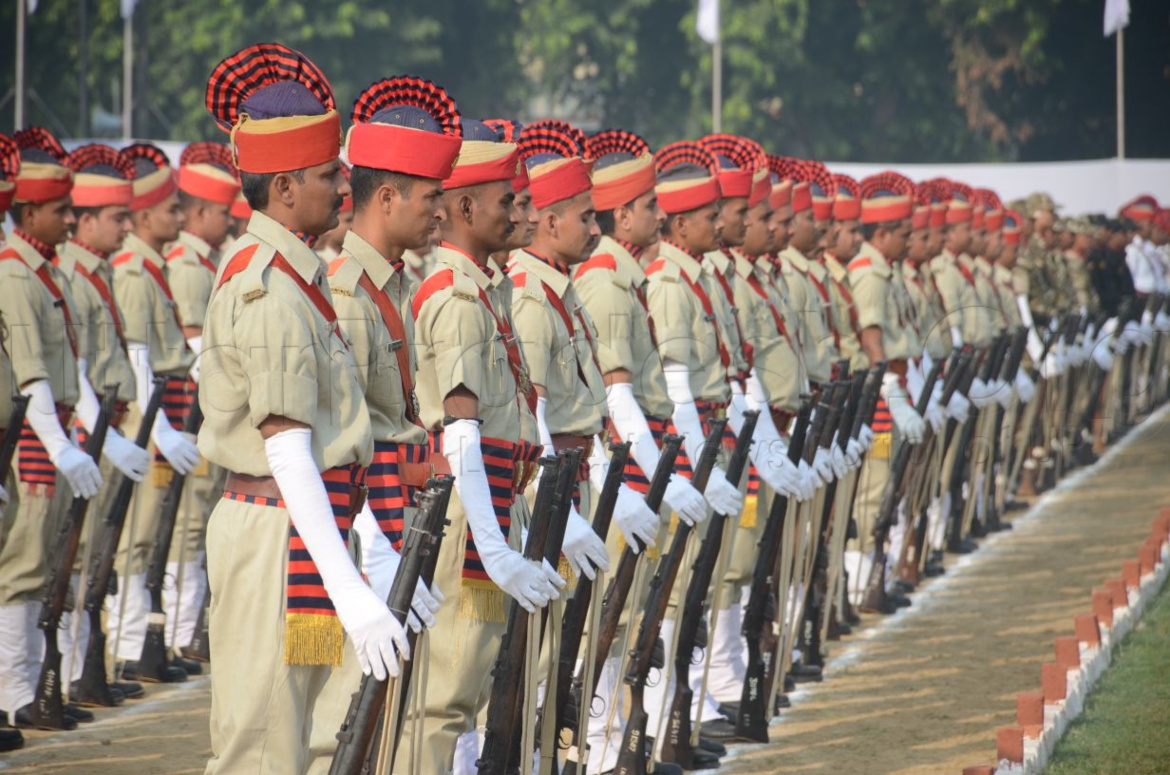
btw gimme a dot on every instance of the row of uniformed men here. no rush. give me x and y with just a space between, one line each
594 289
107 276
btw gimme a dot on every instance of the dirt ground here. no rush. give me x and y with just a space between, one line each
920 692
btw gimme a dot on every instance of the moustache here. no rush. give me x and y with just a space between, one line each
337 203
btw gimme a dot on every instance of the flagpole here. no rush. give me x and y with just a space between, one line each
717 74
128 74
18 109
1120 93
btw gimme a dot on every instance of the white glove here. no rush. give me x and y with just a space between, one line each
769 453
582 548
958 408
935 414
630 511
915 380
1003 393
979 394
810 482
196 345
854 449
126 456
685 500
823 465
910 424
377 637
1103 356
837 455
177 447
721 494
866 437
380 563
1025 387
635 518
1162 322
1053 366
685 415
531 584
78 468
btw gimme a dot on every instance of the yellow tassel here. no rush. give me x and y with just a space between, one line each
567 574
652 552
481 601
161 473
313 639
882 444
750 505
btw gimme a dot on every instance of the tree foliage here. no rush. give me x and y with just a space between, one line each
913 80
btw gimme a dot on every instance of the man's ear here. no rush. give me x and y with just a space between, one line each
388 197
465 206
281 188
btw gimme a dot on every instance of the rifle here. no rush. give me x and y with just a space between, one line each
93 688
843 405
677 746
48 708
1011 368
577 608
754 710
200 648
990 366
634 754
155 663
12 434
553 497
874 599
619 587
423 539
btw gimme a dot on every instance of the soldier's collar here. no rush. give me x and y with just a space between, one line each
542 269
458 258
297 253
682 258
29 249
798 260
374 264
835 267
201 246
718 260
89 258
624 258
873 254
136 244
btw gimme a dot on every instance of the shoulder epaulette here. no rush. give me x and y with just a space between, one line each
128 261
248 265
526 290
462 287
663 270
344 274
600 261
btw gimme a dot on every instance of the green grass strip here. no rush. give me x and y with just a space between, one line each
1125 728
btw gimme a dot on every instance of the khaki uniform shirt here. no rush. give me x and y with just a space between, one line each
416 266
1082 284
1007 295
560 358
988 295
150 315
609 284
191 268
844 313
806 300
958 296
459 344
686 333
778 364
977 317
35 335
716 265
500 292
97 334
373 348
268 350
881 302
933 334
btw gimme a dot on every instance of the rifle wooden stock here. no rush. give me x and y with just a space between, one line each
754 713
677 745
155 661
633 755
620 584
48 707
577 607
554 495
93 688
12 434
874 598
423 539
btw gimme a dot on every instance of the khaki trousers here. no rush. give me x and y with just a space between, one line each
261 708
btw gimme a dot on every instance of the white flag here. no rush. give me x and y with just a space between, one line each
128 8
707 21
1116 15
